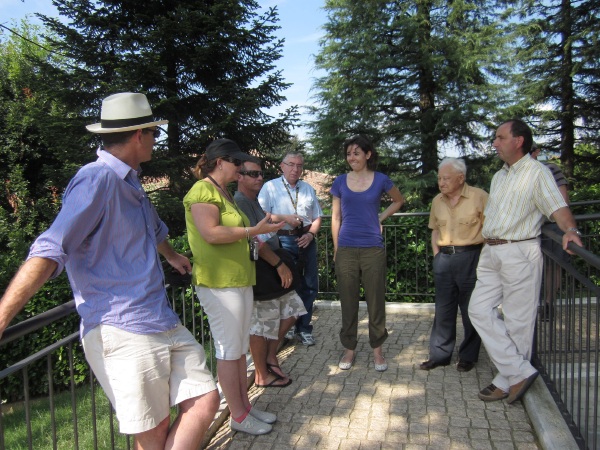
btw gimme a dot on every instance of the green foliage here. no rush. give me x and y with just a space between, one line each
412 75
206 66
586 178
557 74
52 294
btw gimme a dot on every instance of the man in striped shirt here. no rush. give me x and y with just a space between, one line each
552 271
522 194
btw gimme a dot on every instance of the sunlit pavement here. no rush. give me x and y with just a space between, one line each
402 408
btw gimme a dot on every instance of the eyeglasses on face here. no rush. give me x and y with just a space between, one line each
155 131
252 173
229 159
293 166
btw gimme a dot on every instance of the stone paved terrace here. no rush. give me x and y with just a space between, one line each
402 408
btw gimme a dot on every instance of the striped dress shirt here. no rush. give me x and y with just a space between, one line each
520 196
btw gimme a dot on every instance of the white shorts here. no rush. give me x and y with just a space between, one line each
229 311
143 375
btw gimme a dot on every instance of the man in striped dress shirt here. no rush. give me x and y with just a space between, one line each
509 272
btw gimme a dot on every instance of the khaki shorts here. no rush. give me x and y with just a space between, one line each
268 314
143 375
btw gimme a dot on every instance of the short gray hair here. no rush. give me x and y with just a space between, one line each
457 164
294 154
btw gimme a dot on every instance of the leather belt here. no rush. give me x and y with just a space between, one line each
504 241
452 249
294 232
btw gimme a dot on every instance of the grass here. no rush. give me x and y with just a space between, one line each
15 428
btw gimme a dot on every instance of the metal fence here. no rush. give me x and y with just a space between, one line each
567 331
567 337
33 423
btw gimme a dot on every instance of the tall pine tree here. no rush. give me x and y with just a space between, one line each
559 73
208 66
413 74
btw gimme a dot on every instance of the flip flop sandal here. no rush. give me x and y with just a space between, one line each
272 383
270 369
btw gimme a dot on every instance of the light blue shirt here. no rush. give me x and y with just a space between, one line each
278 197
106 236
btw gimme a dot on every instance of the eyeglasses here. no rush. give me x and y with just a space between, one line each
292 165
155 132
229 159
252 173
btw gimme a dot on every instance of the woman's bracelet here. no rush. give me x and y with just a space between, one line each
278 264
247 234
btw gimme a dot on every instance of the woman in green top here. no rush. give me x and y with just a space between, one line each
220 237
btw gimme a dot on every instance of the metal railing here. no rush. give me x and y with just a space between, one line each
567 351
567 332
46 436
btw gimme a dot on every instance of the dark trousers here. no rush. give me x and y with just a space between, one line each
455 276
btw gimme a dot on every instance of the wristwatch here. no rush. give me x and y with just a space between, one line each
575 230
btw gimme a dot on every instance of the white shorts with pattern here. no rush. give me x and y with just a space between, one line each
268 314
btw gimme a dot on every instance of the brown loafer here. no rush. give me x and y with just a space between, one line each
492 393
518 390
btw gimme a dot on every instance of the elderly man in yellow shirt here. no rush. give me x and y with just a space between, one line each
455 220
509 272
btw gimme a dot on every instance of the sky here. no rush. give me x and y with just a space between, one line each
301 26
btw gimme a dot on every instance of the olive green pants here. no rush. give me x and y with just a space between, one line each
354 266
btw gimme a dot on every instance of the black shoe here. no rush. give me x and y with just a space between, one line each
464 366
430 364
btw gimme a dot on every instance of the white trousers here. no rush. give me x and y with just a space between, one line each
509 275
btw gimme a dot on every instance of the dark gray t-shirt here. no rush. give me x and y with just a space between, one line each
255 214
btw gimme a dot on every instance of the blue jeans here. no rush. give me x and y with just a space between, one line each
309 287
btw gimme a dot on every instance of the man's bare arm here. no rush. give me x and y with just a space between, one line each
28 280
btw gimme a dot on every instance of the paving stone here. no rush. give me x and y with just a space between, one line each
404 408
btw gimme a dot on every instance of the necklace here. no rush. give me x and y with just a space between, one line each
228 197
225 193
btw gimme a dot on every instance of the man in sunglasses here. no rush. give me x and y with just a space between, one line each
108 236
272 318
294 201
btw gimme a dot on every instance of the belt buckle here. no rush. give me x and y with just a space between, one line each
453 252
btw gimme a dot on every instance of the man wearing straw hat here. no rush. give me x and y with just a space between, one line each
108 237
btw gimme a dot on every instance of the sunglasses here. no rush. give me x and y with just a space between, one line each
252 173
229 159
155 131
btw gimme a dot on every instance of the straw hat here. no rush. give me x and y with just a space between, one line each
126 111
